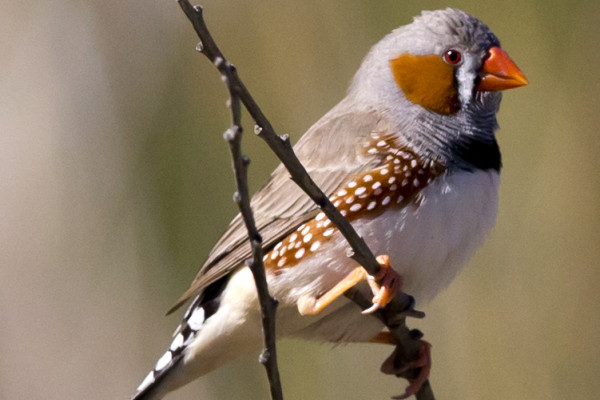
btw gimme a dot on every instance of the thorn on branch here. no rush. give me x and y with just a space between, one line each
264 357
229 135
416 334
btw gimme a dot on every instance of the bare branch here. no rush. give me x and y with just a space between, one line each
395 313
233 136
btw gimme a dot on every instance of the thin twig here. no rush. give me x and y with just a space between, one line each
394 314
233 136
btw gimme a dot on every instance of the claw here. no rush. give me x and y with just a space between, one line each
423 363
390 283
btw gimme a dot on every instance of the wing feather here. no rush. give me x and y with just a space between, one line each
331 152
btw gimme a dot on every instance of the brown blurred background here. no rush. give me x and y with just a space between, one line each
115 182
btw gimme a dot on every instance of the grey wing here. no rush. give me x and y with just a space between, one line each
331 152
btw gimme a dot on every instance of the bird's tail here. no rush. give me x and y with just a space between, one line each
159 380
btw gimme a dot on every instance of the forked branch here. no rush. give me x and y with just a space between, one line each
393 315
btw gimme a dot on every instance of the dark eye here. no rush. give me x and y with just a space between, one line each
452 57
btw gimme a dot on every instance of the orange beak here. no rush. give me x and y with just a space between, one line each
499 72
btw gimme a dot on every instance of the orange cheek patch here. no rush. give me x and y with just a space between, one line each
427 81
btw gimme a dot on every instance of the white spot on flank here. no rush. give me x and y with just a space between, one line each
405 182
328 232
305 230
307 238
416 182
393 187
355 207
343 212
298 244
367 178
413 163
360 190
320 216
376 185
278 245
392 180
386 200
371 205
177 342
381 143
336 203
372 150
273 255
293 237
400 198
315 246
282 251
281 262
352 184
196 320
384 171
350 200
377 191
342 193
163 361
146 382
299 253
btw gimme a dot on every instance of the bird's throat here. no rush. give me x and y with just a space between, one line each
427 81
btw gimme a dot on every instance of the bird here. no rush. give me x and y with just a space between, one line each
409 156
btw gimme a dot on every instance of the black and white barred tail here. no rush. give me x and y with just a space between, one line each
201 308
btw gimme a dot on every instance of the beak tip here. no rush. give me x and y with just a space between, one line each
500 72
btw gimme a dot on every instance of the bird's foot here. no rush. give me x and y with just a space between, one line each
384 285
423 363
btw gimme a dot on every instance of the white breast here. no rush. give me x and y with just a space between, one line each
428 242
431 242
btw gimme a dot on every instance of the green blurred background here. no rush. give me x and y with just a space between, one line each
115 182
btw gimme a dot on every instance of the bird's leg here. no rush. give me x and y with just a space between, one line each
384 285
423 363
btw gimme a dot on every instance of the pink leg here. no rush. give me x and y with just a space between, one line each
423 363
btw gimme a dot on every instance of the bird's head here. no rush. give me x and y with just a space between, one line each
442 62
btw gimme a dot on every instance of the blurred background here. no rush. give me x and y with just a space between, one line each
115 183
